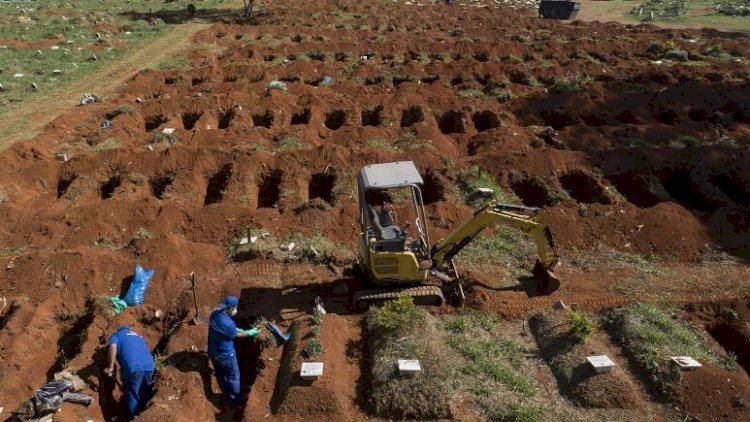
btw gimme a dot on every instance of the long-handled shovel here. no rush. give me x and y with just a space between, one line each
195 320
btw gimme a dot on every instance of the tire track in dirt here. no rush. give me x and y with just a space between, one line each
516 307
31 116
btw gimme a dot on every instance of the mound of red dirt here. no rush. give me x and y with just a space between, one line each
715 394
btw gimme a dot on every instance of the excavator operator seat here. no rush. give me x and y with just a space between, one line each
390 237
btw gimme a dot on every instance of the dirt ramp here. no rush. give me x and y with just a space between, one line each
567 359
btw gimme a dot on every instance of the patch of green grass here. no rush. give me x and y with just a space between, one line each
142 233
381 143
496 246
321 250
446 57
472 178
645 264
520 413
288 142
72 194
105 242
105 145
13 250
340 14
470 93
424 58
650 334
501 95
565 85
211 48
173 63
73 27
160 362
487 364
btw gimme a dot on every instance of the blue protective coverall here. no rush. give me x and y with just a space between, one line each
136 368
221 332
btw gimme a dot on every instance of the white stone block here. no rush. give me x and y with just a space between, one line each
311 370
686 363
62 157
601 363
244 241
168 130
409 367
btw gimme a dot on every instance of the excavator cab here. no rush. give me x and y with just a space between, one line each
390 253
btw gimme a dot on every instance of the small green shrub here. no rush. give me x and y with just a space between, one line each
688 141
312 348
288 142
565 85
398 313
581 326
142 233
470 93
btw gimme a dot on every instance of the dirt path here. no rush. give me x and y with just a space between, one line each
29 117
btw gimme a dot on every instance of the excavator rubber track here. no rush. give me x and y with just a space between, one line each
423 295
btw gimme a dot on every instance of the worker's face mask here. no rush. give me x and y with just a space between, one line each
233 312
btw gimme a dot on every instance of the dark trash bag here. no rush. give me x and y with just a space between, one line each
137 290
48 399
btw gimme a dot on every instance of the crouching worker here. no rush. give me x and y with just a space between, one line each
130 350
221 332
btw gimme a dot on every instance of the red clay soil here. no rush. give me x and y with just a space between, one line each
715 394
671 139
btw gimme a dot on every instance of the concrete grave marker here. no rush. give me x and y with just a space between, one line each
311 370
686 363
409 367
601 363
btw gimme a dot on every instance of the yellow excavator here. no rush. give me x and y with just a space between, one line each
399 261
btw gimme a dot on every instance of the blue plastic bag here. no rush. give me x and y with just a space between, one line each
137 289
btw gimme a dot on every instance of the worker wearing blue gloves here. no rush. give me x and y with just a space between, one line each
221 332
130 350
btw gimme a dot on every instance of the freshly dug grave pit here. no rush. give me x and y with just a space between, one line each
566 356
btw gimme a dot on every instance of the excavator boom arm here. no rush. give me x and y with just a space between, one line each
528 219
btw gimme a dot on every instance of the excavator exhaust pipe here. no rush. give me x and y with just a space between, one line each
547 281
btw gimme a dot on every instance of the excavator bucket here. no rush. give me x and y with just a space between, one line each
547 281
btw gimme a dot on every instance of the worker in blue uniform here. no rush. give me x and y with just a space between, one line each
222 331
130 350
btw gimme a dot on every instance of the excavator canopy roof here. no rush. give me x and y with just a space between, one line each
388 175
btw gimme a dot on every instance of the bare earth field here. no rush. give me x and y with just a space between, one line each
639 153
